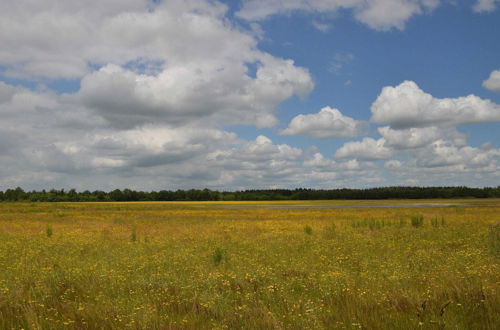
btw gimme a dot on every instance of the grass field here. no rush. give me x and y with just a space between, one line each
244 265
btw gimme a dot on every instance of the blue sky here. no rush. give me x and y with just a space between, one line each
249 94
448 52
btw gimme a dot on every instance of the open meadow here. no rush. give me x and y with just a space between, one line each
250 265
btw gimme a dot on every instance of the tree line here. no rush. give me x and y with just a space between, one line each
117 195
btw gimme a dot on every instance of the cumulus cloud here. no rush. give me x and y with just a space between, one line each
47 142
377 14
258 162
443 153
323 27
367 149
34 122
64 37
411 138
319 161
422 129
183 94
260 150
6 92
493 82
452 175
387 14
340 60
151 146
406 105
171 61
161 81
393 164
41 133
328 123
447 159
482 6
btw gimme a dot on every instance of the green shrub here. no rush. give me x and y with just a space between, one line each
133 235
308 230
417 221
48 230
330 231
218 255
375 224
371 223
437 222
494 238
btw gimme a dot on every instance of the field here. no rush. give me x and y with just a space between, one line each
250 265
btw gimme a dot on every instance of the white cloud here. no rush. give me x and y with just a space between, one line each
393 164
367 149
172 62
443 153
320 26
63 37
340 60
482 6
387 14
319 161
407 105
328 123
447 160
410 173
419 137
493 82
159 82
377 14
40 133
46 142
6 92
260 150
183 94
151 146
258 163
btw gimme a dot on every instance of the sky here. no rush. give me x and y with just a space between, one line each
245 94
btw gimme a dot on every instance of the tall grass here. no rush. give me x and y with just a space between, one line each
133 234
330 231
48 230
308 230
494 238
195 266
218 255
417 221
437 222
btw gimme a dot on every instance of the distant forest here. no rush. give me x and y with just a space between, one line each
117 195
